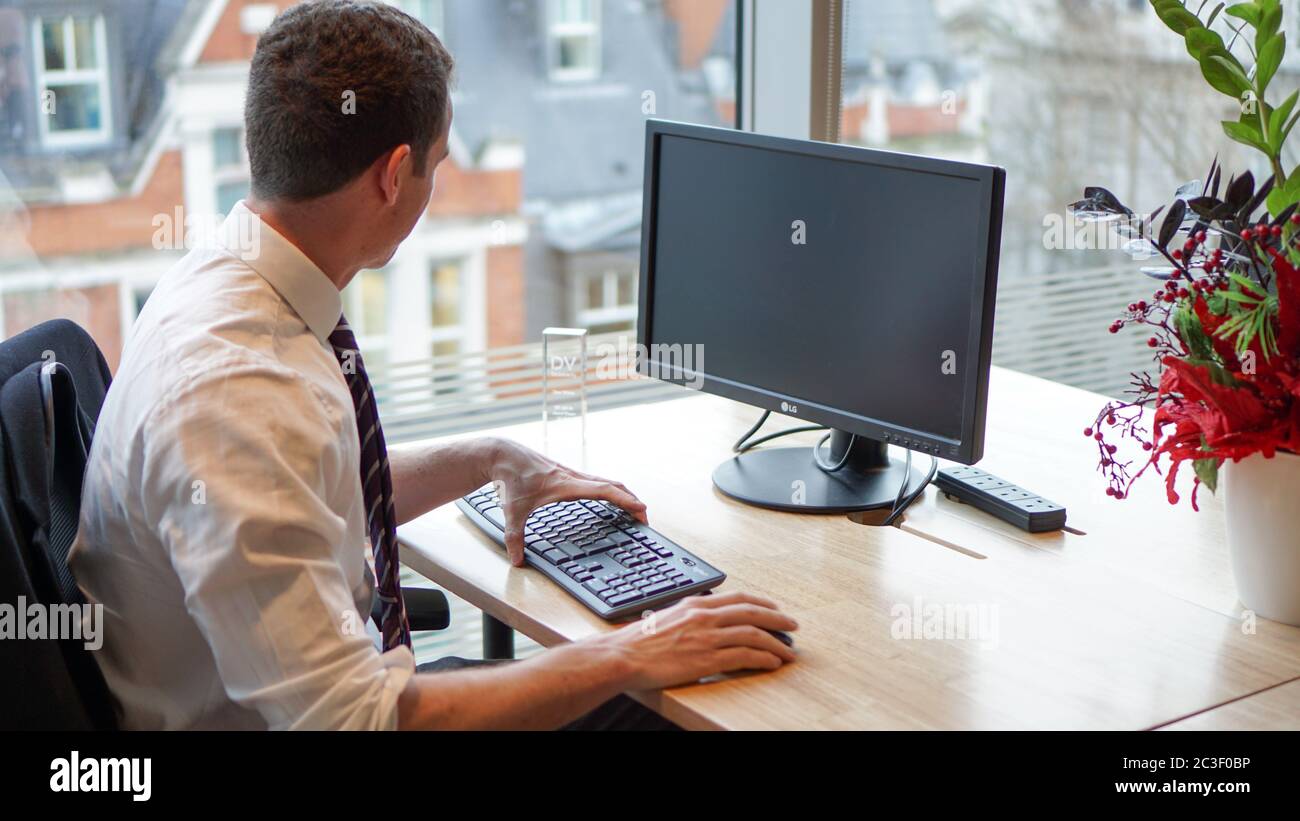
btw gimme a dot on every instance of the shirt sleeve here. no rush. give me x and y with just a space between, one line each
238 470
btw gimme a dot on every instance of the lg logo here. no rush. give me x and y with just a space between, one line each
786 407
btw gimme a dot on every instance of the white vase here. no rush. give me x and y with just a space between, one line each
1261 498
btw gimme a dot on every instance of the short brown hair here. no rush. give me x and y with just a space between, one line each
304 139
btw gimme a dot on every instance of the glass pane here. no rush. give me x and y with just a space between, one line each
549 183
52 37
228 147
369 298
627 288
76 108
446 295
595 292
446 347
83 31
988 82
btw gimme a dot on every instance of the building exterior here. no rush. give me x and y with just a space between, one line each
534 221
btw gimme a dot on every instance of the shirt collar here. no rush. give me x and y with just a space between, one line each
277 260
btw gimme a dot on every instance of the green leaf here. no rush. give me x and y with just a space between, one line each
1201 42
1244 11
1207 470
1278 199
1245 133
1225 75
1277 122
1270 57
1269 21
1175 16
1190 331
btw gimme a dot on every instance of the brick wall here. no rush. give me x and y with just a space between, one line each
95 308
505 296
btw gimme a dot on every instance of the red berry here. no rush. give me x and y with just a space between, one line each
1246 235
1146 446
1182 293
1177 254
1142 305
1295 219
1261 231
1276 230
1110 491
1153 342
1097 436
1087 432
1200 236
1119 494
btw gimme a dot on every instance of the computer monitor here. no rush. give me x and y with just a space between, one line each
849 287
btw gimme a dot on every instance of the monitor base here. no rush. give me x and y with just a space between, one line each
789 478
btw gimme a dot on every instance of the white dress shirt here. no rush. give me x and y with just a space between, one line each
222 523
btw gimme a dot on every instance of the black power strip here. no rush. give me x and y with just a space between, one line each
1025 510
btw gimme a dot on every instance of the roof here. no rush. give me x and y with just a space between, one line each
582 139
144 27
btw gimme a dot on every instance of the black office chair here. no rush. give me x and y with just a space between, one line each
53 380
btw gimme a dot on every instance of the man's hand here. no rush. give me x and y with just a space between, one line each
526 480
702 636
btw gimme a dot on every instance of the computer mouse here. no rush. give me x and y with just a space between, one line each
782 637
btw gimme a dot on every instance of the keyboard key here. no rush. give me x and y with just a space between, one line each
595 586
623 598
496 515
555 556
657 588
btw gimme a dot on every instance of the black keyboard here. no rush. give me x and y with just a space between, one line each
603 557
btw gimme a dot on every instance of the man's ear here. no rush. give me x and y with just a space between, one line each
391 167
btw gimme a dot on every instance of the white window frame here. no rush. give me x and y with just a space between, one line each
98 76
610 310
558 29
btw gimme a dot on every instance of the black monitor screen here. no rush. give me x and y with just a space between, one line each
845 284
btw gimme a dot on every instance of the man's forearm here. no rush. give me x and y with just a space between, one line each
542 693
431 476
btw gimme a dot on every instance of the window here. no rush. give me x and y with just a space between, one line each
229 167
989 82
607 302
573 39
366 305
446 309
72 75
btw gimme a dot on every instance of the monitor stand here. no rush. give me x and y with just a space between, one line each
790 479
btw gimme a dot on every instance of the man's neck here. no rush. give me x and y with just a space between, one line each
317 229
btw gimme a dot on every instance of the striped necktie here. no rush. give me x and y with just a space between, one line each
376 487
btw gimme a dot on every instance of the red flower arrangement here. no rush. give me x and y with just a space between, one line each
1225 324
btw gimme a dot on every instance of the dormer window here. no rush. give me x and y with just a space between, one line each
573 39
72 77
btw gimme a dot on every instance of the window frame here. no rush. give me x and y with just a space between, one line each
98 77
557 30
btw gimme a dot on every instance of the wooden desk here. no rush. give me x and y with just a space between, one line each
1132 626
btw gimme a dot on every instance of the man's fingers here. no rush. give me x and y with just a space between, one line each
754 614
731 659
615 495
515 546
733 597
745 635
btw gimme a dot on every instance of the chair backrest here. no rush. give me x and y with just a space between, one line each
46 424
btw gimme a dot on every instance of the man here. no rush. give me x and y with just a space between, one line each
238 468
